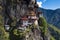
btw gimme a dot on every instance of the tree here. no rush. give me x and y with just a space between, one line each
43 27
43 24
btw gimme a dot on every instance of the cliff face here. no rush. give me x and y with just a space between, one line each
14 11
31 33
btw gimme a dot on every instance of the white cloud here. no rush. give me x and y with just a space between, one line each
39 4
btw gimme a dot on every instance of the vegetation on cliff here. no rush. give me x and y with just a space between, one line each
43 25
18 35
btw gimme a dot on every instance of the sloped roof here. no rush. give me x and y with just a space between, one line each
39 12
32 13
24 18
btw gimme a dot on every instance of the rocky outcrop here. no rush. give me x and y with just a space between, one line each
18 9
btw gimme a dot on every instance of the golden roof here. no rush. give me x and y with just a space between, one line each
32 13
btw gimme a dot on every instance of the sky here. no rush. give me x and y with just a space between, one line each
49 4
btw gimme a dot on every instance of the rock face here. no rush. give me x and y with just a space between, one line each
19 9
16 8
36 35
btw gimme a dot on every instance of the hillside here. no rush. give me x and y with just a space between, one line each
52 16
54 31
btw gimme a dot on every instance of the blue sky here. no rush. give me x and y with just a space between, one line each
49 4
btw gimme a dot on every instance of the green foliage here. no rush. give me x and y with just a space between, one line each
54 28
56 31
15 32
43 25
20 33
42 22
52 38
3 34
13 35
14 21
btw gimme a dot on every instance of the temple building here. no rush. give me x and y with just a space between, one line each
33 17
29 19
40 14
24 21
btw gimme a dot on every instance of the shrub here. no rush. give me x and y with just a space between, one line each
43 25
